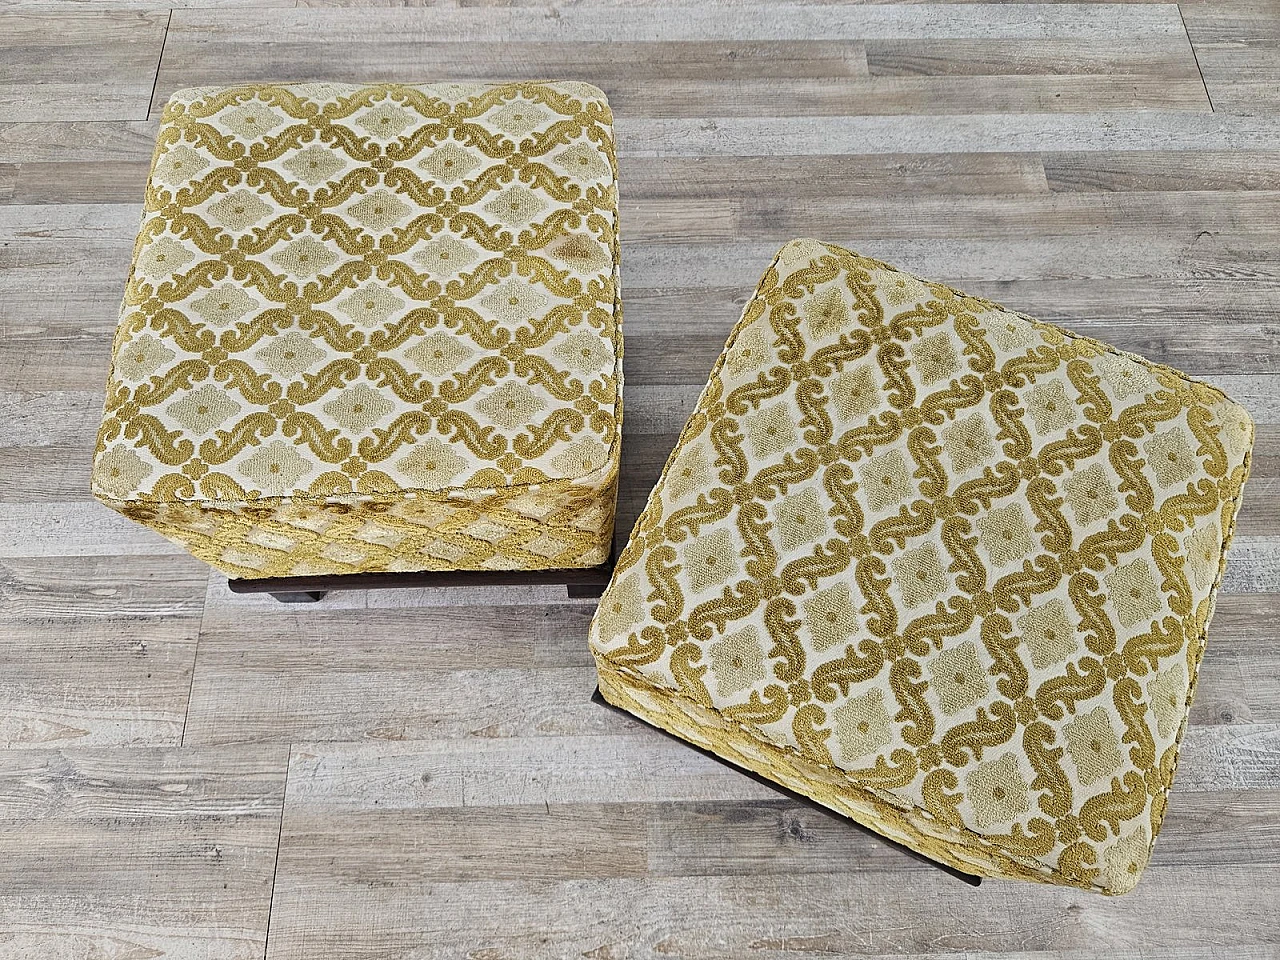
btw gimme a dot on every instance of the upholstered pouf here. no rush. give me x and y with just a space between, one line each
373 329
941 567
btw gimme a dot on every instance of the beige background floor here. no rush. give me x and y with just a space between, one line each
189 774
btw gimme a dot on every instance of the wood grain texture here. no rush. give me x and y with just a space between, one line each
79 64
199 775
1237 45
98 651
690 61
658 845
864 914
138 853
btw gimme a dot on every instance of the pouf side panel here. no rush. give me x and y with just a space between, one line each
564 525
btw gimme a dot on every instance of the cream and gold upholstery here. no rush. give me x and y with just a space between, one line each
373 328
943 568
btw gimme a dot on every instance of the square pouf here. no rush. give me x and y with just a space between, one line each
941 567
373 328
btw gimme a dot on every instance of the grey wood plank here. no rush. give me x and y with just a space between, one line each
256 703
744 838
608 58
390 673
682 61
77 181
695 178
1229 757
456 637
693 821
85 182
930 216
1168 56
722 5
69 164
98 651
100 141
686 21
39 419
906 95
70 5
1104 132
697 79
1223 696
637 97
724 836
778 918
75 529
46 473
138 852
1247 622
1237 45
72 64
1094 271
566 843
1000 133
46 444
1253 566
1160 170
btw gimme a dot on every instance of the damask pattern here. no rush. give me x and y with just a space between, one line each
942 567
373 328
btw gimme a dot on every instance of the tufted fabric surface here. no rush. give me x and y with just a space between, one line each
373 328
940 566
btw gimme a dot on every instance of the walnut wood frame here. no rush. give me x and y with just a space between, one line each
582 583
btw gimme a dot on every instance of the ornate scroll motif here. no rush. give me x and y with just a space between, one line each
400 300
965 563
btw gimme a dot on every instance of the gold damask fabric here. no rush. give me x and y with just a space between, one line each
373 328
944 568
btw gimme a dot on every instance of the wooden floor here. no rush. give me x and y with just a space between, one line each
191 774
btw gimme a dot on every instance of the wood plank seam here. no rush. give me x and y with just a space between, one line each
195 660
151 110
275 869
1190 43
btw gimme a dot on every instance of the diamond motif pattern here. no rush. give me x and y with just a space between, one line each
976 554
363 272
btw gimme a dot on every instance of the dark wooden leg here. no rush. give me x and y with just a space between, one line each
300 596
588 584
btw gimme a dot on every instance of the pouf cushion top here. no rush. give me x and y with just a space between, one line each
943 567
